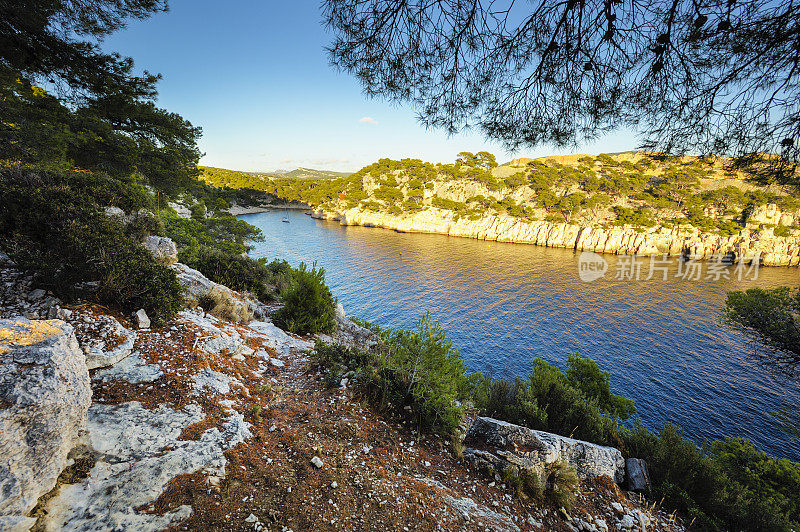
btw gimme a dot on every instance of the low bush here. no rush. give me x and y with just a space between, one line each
419 369
309 306
578 404
60 234
222 304
262 280
727 485
560 482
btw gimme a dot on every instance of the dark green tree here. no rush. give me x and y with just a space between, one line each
64 102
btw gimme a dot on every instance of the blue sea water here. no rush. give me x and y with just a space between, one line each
505 304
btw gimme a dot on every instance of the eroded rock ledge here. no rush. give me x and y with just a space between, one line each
772 250
44 399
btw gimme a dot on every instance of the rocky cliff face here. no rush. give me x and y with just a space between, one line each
44 398
748 244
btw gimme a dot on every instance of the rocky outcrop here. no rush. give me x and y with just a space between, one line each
772 214
747 245
199 287
638 474
104 341
139 451
20 297
349 333
497 445
44 399
162 248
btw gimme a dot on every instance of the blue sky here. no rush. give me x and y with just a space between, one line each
255 76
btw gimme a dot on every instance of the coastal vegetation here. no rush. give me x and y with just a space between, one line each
418 375
638 189
773 318
308 305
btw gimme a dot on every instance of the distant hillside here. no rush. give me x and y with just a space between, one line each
636 189
310 173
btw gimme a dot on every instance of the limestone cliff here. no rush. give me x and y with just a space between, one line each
749 243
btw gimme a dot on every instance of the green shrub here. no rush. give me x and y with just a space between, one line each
727 485
782 231
309 306
143 224
419 369
60 234
641 217
578 403
237 272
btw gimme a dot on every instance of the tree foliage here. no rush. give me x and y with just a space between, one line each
64 102
309 306
708 76
773 318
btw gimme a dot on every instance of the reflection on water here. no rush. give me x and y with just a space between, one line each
505 304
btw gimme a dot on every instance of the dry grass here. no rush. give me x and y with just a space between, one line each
227 307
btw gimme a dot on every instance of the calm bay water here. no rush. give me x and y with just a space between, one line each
505 304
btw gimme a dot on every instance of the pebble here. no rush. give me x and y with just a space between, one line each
317 461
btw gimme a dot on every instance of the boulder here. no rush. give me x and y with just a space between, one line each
638 474
198 287
497 445
162 248
196 284
44 400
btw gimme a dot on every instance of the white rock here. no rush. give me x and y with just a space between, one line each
133 467
212 381
162 248
277 339
589 460
627 521
16 523
317 462
132 369
45 390
141 319
97 355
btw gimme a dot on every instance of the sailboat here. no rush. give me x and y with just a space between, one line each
285 216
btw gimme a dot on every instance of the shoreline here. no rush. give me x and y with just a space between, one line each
747 245
237 210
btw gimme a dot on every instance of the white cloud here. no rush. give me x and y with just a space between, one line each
329 162
286 160
368 120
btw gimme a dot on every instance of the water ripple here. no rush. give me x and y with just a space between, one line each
505 304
